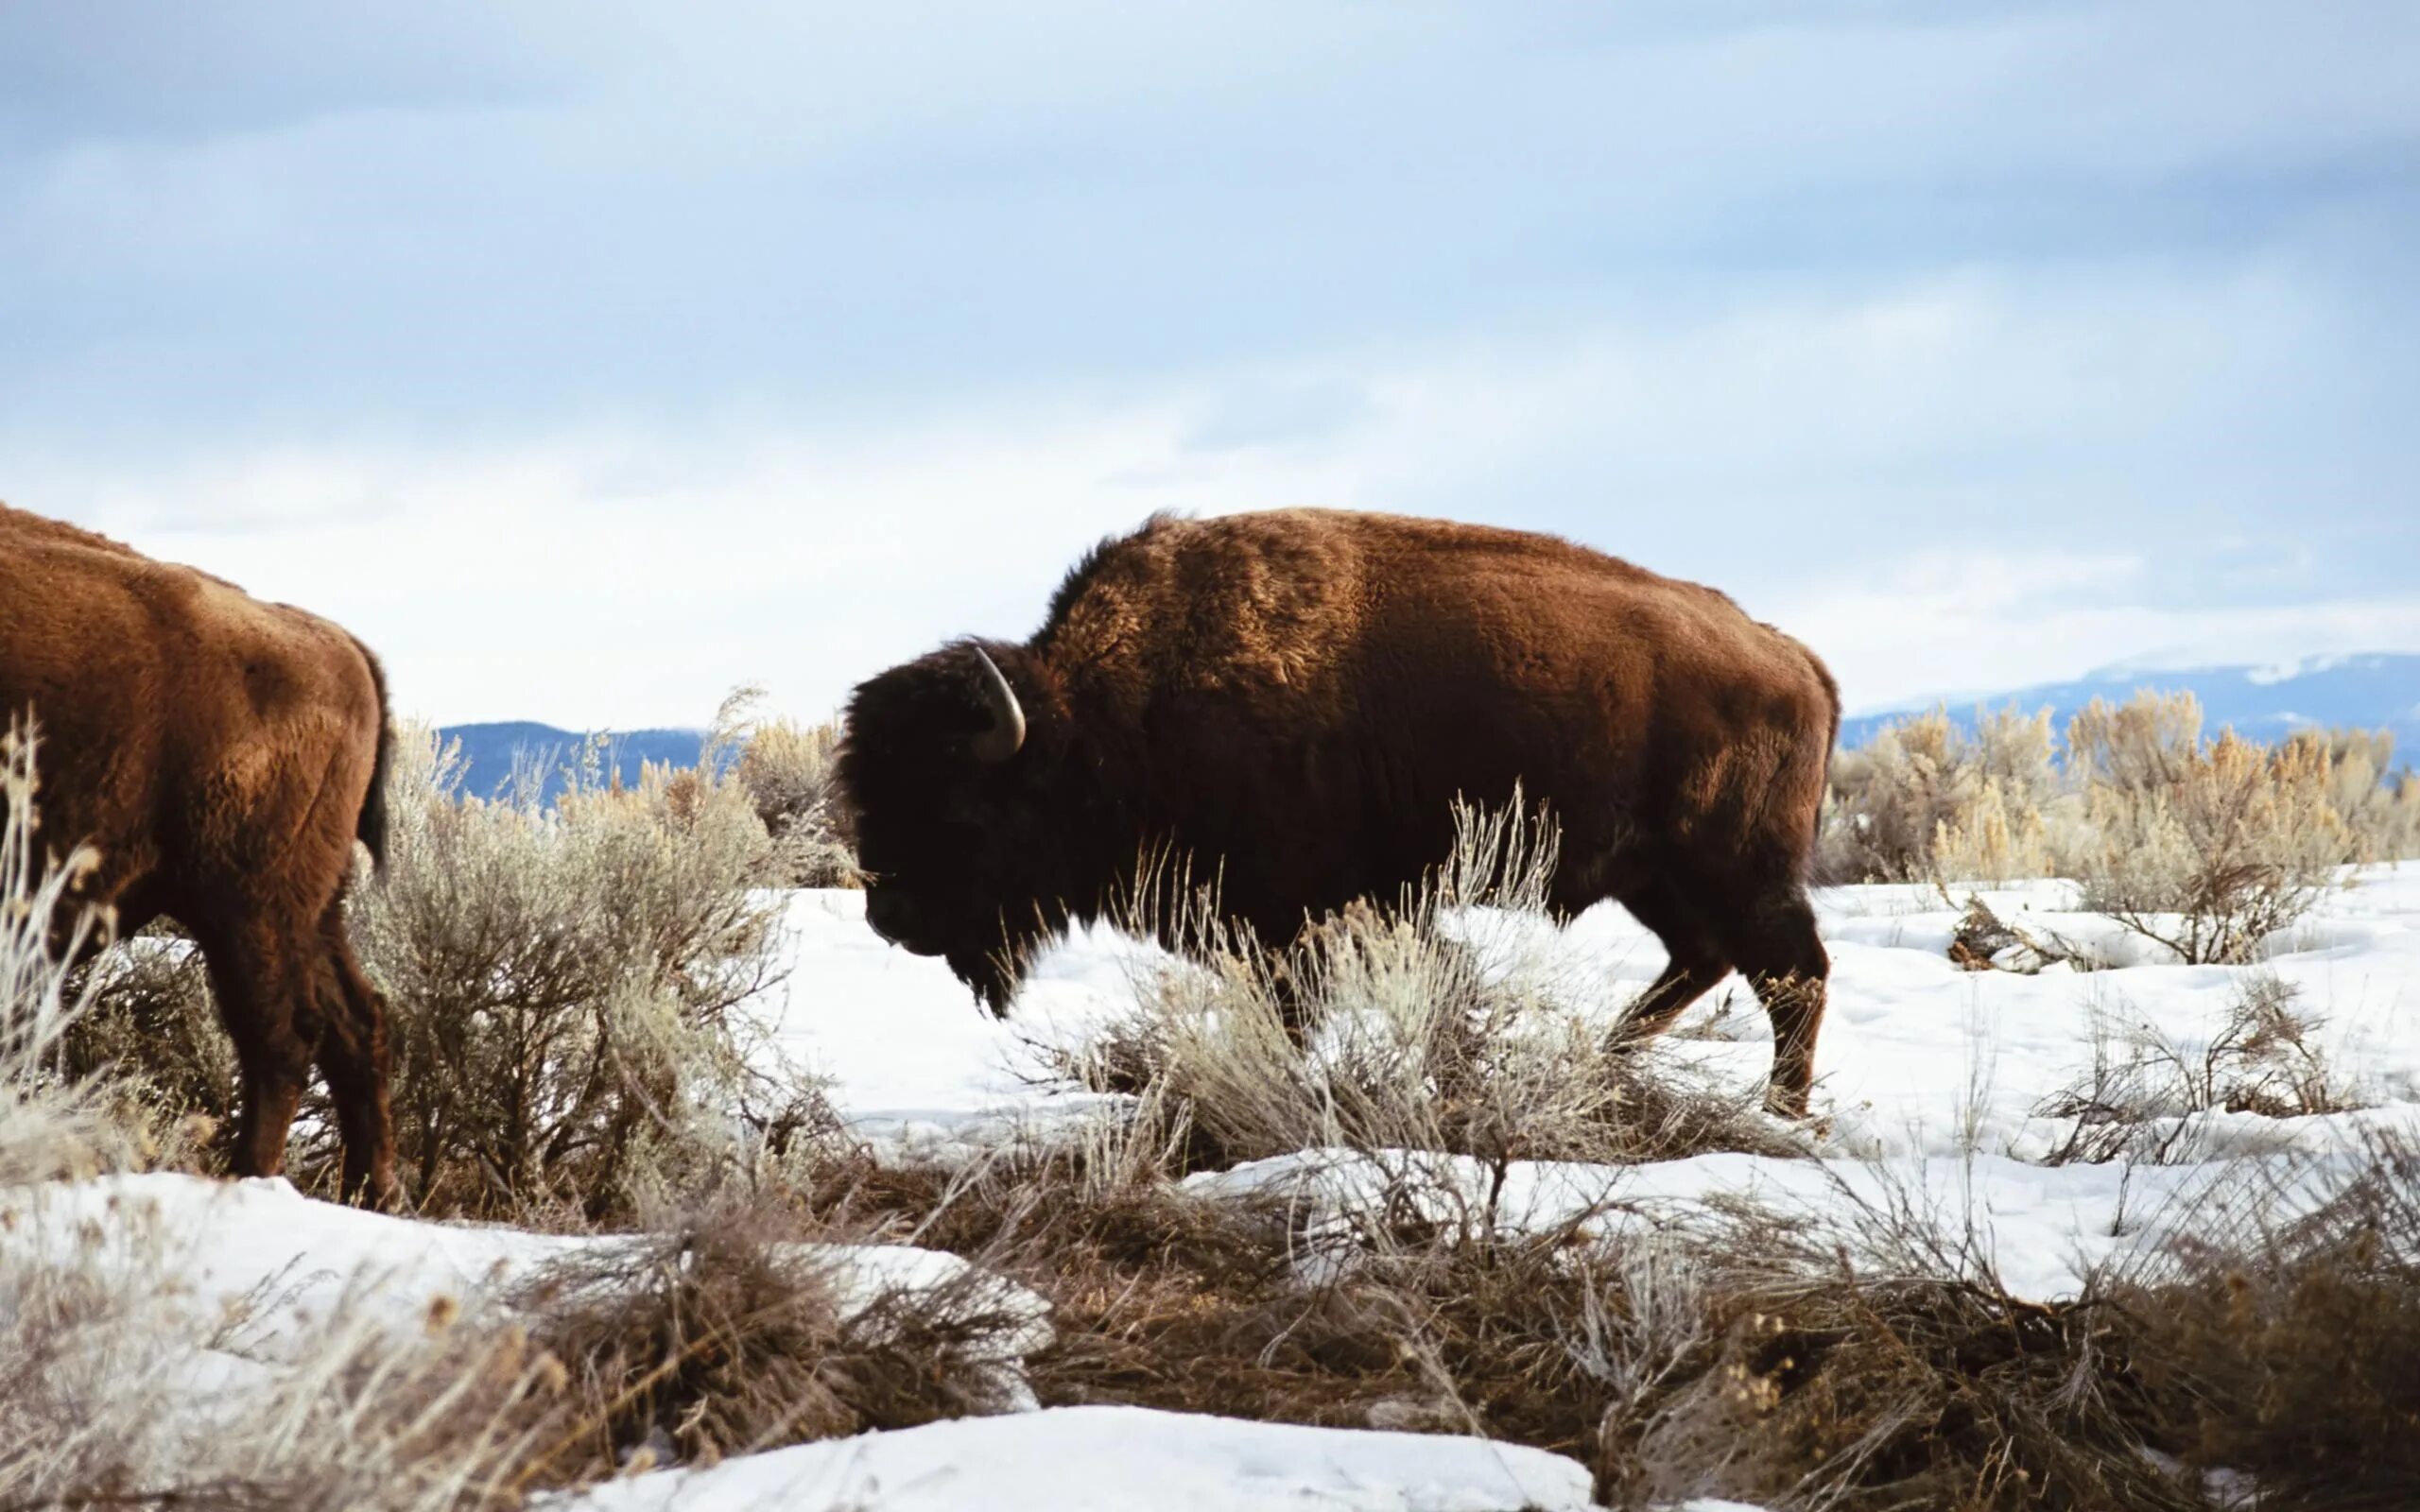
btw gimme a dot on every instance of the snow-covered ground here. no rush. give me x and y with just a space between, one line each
1932 1082
1930 1077
1116 1459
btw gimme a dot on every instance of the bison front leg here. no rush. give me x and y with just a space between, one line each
1775 946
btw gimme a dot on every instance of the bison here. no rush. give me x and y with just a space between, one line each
222 755
1296 700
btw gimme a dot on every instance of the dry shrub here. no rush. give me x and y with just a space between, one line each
1924 798
786 769
2286 1351
565 984
1736 1355
1983 941
1202 1304
2381 809
718 1331
152 1042
2141 1096
1399 1030
1925 801
1852 1392
2207 848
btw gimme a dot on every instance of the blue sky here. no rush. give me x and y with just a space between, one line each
590 358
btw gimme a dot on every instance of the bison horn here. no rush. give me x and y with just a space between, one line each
1007 734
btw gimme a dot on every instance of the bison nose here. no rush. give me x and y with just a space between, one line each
894 918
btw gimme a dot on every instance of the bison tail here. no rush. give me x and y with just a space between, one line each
372 828
1831 745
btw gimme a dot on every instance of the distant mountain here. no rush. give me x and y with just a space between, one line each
490 753
2371 691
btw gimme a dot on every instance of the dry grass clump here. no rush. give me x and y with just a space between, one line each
1194 1303
2285 1352
103 1403
1433 1026
50 1123
1855 1393
1737 1354
565 983
719 1331
2143 1095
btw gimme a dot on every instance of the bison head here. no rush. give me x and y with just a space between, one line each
944 768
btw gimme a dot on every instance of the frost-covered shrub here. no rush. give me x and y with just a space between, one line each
565 983
2207 848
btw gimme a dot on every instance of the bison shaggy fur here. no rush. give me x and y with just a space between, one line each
1295 700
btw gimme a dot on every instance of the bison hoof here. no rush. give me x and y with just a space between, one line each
1783 1103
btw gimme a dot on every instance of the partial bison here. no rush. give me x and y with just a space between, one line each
222 755
1296 700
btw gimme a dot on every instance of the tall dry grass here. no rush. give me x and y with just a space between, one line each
1442 1025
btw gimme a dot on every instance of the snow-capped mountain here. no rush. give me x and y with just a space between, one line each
2368 691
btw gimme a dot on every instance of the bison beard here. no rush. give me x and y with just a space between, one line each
1296 700
222 755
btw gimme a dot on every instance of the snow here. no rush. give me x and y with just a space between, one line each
1930 1077
1113 1460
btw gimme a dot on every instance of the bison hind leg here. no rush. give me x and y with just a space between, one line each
354 1056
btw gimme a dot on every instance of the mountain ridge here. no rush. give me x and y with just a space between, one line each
2369 690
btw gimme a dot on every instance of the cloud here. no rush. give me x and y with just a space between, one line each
1857 471
596 355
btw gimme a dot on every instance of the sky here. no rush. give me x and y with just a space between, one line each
590 358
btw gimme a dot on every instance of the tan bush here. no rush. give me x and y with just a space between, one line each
1925 800
2205 849
786 769
2383 812
566 983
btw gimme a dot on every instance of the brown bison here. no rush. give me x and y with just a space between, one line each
1296 700
222 755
